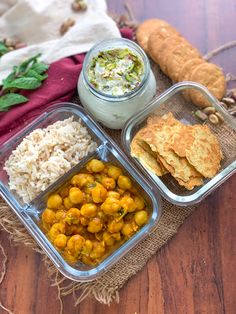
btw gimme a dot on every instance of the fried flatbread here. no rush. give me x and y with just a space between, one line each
201 148
141 150
161 120
159 137
189 153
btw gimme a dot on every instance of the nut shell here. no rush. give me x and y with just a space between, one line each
214 119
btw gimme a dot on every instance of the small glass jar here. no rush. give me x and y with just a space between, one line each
114 111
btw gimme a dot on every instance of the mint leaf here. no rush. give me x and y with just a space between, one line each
8 80
22 83
27 76
21 69
40 67
33 73
11 99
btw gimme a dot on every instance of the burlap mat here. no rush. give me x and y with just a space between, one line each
105 290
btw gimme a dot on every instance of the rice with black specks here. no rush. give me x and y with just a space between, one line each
45 155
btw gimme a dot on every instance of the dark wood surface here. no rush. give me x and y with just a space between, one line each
195 271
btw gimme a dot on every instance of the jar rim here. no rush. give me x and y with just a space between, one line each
121 43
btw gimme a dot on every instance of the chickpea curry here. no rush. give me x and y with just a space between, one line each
96 212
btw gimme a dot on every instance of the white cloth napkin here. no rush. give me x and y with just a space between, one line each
37 23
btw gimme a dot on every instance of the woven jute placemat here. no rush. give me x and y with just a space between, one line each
106 288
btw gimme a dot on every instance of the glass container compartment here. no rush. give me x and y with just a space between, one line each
114 111
172 101
29 213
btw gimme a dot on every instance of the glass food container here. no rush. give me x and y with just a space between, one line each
172 101
30 213
113 111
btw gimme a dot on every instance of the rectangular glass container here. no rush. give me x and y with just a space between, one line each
29 213
172 101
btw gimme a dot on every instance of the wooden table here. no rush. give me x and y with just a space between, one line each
195 271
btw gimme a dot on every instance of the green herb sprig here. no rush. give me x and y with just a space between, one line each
27 76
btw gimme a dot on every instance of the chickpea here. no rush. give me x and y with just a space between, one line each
114 172
67 203
69 257
128 204
126 193
134 225
55 230
108 183
82 179
49 216
60 241
101 215
60 215
88 246
98 250
127 230
64 192
113 194
116 236
105 170
95 165
98 177
139 202
89 210
141 217
84 221
95 225
115 226
75 244
74 229
108 239
134 190
124 183
54 201
111 206
99 193
120 191
72 216
76 195
88 189
87 199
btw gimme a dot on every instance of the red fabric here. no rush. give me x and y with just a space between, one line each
60 86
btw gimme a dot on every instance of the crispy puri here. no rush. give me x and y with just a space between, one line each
201 149
159 137
141 150
189 153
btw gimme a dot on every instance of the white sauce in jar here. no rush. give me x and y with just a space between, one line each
116 87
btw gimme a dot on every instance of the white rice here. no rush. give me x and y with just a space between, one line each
45 155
